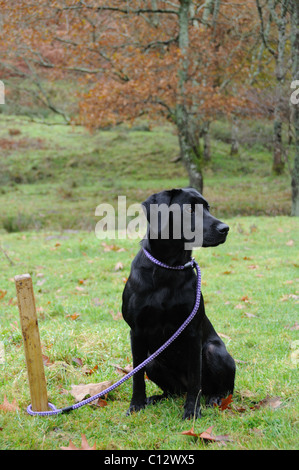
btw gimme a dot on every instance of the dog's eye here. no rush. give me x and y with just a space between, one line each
190 209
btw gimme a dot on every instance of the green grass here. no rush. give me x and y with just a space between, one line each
51 180
255 262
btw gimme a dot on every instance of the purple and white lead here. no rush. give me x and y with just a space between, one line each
193 264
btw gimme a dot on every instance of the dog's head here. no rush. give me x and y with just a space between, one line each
183 215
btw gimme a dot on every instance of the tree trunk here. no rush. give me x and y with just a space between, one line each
234 150
191 160
295 73
185 121
295 173
206 141
278 161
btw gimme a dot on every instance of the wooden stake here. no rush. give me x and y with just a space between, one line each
32 345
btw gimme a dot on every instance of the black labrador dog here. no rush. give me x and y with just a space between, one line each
156 301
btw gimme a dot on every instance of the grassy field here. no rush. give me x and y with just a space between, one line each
52 178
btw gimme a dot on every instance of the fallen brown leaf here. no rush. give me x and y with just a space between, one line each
273 402
10 407
249 315
80 288
225 402
98 302
293 327
77 361
91 371
245 298
123 370
116 316
2 293
73 316
119 266
190 432
46 361
84 445
100 402
112 248
289 296
224 336
239 306
207 435
81 391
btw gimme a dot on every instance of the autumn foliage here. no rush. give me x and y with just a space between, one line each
128 62
187 62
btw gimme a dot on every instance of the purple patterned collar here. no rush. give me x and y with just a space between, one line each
189 264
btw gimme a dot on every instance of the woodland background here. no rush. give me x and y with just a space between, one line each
189 63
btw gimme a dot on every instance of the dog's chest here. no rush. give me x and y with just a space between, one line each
165 308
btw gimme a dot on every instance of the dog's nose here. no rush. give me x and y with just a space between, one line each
223 228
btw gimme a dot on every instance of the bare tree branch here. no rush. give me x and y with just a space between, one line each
263 36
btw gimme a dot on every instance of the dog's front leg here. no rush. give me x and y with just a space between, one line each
139 353
192 404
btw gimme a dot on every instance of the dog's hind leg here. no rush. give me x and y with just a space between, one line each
218 372
166 379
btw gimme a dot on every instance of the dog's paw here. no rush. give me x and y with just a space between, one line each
213 401
155 399
191 413
134 407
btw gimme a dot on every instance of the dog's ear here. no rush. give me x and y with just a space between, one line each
146 205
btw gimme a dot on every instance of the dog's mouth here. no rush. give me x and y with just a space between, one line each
214 241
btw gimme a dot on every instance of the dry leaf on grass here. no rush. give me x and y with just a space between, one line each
100 403
84 445
81 391
273 402
2 293
119 266
224 336
116 316
112 248
207 435
249 315
225 402
46 360
73 316
11 407
123 370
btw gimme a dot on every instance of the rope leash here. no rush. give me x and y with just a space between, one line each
190 264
